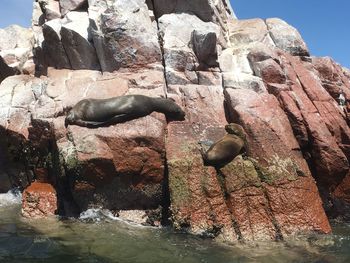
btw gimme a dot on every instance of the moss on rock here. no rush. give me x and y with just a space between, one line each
178 185
242 174
277 169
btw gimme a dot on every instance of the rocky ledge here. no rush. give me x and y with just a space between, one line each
257 73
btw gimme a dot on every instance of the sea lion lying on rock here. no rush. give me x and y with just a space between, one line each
227 148
102 112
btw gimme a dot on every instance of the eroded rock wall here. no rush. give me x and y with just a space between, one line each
218 69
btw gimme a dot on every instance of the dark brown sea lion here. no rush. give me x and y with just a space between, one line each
227 148
102 112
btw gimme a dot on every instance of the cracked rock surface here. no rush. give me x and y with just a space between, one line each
257 73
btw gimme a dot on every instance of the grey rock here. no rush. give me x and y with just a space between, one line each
287 37
183 40
38 17
123 34
16 44
71 5
206 10
204 46
77 42
52 45
50 8
243 81
248 31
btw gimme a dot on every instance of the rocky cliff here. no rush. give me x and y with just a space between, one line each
219 69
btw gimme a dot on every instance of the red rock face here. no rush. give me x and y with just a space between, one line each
341 199
247 202
113 167
286 101
197 201
39 200
309 99
280 170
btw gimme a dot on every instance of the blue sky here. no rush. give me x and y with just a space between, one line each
15 12
324 24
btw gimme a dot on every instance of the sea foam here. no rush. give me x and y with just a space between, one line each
12 197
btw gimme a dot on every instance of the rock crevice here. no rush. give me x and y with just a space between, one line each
218 69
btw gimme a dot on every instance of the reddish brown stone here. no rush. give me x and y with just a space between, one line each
279 164
266 124
335 80
39 200
295 117
340 198
297 207
342 191
309 105
197 201
41 175
203 104
120 164
247 202
269 71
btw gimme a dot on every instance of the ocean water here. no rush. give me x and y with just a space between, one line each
99 237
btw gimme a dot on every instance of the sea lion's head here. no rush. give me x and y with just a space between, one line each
69 118
174 111
235 129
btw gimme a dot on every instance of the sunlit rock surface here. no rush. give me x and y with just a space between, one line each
219 70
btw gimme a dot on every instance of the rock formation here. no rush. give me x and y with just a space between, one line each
256 73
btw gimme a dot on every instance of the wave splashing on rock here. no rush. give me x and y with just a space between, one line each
12 197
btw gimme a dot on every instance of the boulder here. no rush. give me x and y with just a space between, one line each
120 167
16 44
77 41
189 180
50 9
204 46
185 47
243 81
333 77
219 11
38 17
286 37
273 32
234 60
71 5
247 31
52 46
270 71
244 198
123 35
39 200
308 93
17 96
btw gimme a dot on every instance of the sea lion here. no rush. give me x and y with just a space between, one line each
227 148
102 112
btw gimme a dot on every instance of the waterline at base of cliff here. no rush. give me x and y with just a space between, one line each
99 237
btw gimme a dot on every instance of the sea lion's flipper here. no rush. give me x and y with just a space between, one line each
120 118
88 124
116 119
93 124
206 142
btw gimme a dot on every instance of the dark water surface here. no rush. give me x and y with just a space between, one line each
102 239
